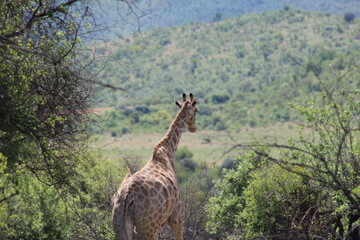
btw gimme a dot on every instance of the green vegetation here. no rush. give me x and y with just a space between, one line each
349 17
54 184
244 70
157 13
51 187
311 188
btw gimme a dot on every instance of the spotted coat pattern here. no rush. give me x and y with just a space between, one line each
150 198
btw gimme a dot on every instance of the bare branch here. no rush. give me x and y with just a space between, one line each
37 17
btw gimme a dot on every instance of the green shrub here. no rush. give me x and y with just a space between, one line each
279 203
225 208
183 153
220 98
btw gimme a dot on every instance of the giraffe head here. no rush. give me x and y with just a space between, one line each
189 106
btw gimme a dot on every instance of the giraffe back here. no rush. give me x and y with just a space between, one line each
146 201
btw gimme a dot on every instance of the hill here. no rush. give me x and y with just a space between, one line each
244 70
158 13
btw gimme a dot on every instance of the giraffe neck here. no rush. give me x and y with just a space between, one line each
168 144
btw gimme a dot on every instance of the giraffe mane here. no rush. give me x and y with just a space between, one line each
171 128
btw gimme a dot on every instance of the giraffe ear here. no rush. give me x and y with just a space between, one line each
178 104
192 100
191 97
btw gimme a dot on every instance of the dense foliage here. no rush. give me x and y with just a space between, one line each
310 188
42 100
47 188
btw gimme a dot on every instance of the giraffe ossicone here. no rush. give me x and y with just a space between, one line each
150 198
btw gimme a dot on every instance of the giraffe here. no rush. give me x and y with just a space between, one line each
150 198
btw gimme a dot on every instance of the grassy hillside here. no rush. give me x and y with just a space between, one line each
244 70
160 13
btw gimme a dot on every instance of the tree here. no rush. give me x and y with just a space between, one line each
44 100
280 204
349 17
330 159
217 17
220 98
45 92
45 96
183 153
327 159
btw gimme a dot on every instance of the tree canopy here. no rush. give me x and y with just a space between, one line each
45 95
308 187
44 98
